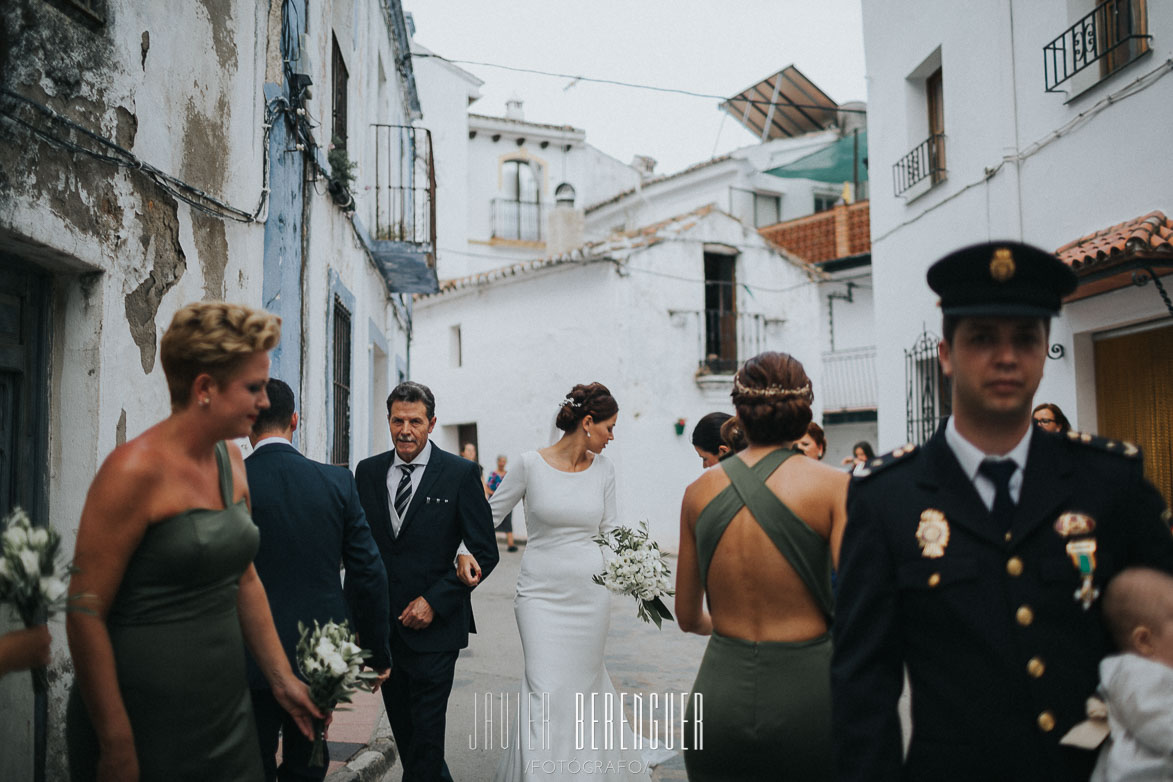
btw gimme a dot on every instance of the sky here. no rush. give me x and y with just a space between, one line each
705 46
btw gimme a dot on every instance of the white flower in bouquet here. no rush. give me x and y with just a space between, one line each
638 568
330 662
32 574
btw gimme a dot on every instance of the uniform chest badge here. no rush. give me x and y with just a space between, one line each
932 534
1083 556
1070 525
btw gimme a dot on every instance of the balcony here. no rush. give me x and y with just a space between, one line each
404 239
519 221
926 163
849 380
1113 35
724 339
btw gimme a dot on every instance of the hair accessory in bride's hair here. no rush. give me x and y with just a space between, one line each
568 402
773 391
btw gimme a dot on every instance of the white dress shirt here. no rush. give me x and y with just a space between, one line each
970 457
394 475
275 439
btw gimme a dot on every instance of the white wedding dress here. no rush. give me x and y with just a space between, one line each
563 618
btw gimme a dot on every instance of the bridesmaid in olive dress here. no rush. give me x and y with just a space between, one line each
165 591
756 536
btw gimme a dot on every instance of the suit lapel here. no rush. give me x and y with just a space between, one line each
378 488
436 464
1045 483
955 495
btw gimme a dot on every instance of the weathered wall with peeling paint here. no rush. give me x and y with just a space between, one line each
181 87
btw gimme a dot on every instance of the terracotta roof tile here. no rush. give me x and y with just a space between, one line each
1151 234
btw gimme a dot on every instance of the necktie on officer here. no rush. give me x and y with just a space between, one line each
403 491
1000 472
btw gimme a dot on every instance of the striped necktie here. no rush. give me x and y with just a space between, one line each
403 492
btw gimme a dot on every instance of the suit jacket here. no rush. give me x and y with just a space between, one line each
449 506
311 522
1000 655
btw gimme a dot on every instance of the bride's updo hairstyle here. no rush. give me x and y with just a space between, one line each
772 395
591 399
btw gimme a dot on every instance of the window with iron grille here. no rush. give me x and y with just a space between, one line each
720 313
929 394
340 448
341 81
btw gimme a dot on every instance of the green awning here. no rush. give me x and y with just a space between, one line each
835 162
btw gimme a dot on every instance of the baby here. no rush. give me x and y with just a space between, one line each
1138 684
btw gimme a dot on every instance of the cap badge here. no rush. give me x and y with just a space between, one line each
1074 524
932 534
1002 265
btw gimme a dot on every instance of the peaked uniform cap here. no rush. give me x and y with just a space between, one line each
1002 279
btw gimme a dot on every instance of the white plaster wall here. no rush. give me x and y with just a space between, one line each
1107 169
854 321
527 340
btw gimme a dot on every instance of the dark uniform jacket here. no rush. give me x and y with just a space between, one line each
449 506
1000 655
311 523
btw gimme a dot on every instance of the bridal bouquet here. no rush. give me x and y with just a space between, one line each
329 661
32 575
638 569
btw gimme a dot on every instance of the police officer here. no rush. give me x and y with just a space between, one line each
976 561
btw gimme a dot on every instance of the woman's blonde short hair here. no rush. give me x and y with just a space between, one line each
213 337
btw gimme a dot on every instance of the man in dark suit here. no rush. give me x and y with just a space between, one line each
977 561
422 502
311 522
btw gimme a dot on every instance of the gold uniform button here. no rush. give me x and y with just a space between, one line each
1024 615
1014 566
934 579
1046 722
1007 537
1035 667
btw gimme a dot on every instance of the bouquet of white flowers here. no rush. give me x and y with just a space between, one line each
638 569
329 661
32 575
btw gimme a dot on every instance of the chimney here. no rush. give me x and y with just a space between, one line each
566 224
644 165
513 108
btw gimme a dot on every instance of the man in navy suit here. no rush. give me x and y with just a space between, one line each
422 502
311 522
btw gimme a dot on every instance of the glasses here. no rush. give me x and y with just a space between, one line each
1044 421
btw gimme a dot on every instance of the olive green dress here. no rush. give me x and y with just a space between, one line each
765 705
179 652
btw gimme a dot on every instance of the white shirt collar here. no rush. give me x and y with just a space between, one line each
970 457
420 461
275 440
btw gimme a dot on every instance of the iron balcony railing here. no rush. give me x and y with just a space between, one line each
1112 34
926 160
405 186
849 379
518 220
725 339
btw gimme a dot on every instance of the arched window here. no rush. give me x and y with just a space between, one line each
518 214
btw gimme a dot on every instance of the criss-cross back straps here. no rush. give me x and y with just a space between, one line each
224 467
803 548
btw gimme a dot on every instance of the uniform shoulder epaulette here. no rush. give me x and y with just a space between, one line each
881 463
1121 447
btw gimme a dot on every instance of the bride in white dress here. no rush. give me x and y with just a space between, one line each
563 616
